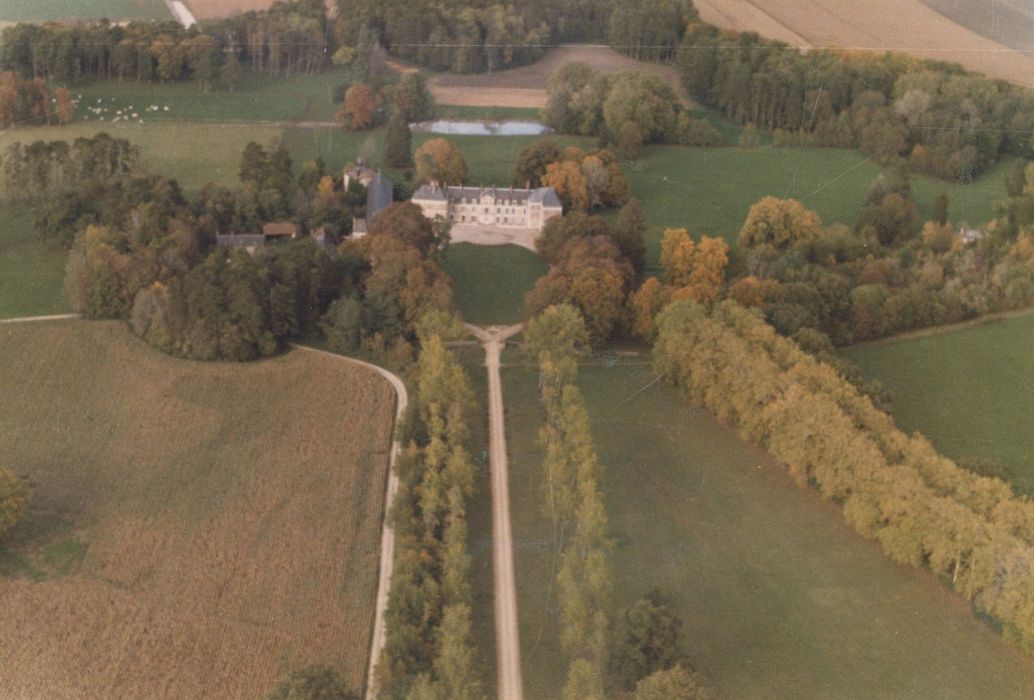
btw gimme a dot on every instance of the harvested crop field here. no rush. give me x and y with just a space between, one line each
878 25
196 530
526 86
217 9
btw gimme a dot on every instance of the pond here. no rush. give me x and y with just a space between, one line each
465 128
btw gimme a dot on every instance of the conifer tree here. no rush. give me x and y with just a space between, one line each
398 142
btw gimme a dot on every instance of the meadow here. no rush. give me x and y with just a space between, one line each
196 530
31 271
710 190
778 597
966 389
43 10
490 281
257 98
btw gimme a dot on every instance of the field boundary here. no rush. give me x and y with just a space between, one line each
379 634
938 330
34 319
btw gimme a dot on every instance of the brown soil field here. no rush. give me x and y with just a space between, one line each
218 9
526 86
230 516
908 26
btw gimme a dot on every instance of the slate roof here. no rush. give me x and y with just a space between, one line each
379 195
546 196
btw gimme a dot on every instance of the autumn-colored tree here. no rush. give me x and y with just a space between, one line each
708 275
14 498
359 108
938 237
64 107
677 255
438 160
567 178
753 292
645 303
777 224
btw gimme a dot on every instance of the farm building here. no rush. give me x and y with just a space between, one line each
271 232
495 207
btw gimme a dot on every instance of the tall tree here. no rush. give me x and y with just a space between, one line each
438 160
398 142
630 234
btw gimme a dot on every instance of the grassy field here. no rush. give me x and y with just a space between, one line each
779 598
258 98
968 390
196 529
710 190
43 10
193 155
31 272
491 281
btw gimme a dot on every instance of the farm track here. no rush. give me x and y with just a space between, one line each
379 636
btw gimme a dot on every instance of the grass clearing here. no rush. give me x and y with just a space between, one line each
491 281
45 10
778 596
196 529
710 190
31 271
968 390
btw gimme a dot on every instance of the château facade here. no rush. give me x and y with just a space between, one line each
489 206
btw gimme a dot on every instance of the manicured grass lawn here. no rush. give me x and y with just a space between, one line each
43 10
710 190
968 390
258 98
217 523
779 598
190 153
490 159
31 271
491 281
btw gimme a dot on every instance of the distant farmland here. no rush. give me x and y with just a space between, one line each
196 529
43 10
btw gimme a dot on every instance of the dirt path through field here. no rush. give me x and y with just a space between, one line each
907 26
508 647
388 532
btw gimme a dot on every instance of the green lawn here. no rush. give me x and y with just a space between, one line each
710 190
779 598
968 390
43 10
491 281
31 272
258 98
190 153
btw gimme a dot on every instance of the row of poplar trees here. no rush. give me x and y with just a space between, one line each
969 530
429 654
574 502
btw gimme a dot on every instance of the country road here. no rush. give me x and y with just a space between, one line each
508 645
388 532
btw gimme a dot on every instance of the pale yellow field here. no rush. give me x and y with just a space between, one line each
231 517
874 25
